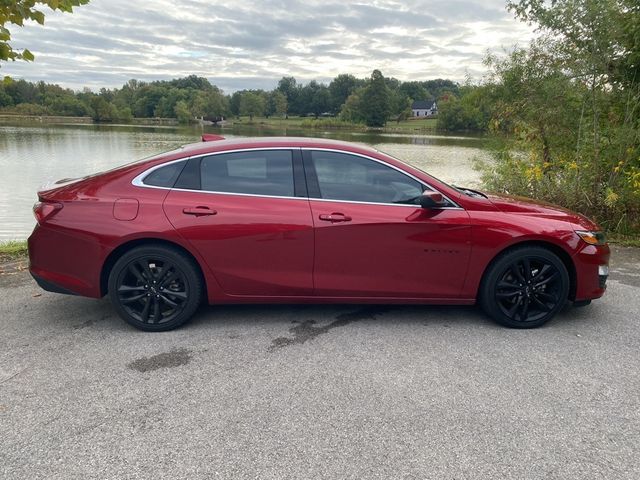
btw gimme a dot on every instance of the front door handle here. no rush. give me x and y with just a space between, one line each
199 211
335 217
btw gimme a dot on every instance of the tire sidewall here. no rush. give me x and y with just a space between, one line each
190 274
497 268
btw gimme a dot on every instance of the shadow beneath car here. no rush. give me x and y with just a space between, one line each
337 315
302 321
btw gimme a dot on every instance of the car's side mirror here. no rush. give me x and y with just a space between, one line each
431 199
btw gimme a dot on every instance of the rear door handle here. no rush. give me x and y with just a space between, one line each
199 211
334 217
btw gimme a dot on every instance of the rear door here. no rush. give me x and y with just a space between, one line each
247 214
372 237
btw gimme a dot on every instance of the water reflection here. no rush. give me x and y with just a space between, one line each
33 155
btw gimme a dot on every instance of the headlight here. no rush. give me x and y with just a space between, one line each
592 238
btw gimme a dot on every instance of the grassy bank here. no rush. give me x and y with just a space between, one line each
13 250
624 240
412 125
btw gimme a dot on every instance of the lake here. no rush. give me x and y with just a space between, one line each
35 154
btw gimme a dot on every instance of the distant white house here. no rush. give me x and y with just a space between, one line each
424 108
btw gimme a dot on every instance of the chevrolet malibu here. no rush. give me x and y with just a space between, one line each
292 220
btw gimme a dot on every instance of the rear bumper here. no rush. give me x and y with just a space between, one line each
65 262
50 286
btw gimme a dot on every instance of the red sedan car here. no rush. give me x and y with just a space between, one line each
287 220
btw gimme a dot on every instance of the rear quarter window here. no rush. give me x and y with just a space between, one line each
164 176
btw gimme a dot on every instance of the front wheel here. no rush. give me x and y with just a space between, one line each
525 287
155 288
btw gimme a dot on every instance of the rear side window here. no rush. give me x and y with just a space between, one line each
263 172
165 176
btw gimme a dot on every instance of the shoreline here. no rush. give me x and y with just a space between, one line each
409 126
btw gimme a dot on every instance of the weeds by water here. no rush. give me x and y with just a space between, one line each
13 250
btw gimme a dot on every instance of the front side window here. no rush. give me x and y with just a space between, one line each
348 177
262 172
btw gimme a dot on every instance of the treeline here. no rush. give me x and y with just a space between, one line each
372 101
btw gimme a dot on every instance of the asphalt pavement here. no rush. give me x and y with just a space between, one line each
315 392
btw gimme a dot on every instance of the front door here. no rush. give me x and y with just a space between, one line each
249 220
371 237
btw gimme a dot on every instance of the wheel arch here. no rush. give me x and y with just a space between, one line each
120 250
560 252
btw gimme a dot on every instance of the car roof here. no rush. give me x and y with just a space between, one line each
264 142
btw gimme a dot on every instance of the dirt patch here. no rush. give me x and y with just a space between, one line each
11 265
16 279
172 359
306 330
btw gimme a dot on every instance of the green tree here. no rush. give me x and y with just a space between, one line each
375 101
305 98
22 91
277 103
5 98
234 102
210 105
103 111
399 105
471 112
182 112
15 12
340 88
414 90
69 105
436 88
320 101
289 87
252 104
351 110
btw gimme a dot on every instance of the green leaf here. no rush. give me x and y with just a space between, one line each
38 17
4 34
27 55
5 51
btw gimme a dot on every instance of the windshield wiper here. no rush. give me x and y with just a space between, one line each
470 192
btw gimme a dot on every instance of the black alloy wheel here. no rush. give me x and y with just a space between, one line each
525 287
155 288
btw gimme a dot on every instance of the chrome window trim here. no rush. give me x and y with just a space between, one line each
138 180
387 165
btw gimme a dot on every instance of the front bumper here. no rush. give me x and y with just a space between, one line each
592 271
603 274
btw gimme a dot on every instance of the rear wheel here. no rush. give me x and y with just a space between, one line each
525 287
155 288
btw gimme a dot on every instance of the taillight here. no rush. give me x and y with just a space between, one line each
44 210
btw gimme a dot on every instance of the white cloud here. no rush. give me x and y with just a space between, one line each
253 44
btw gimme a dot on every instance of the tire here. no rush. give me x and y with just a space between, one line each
524 287
155 288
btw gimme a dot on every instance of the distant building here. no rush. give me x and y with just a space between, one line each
424 108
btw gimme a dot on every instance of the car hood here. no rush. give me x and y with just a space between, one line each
514 204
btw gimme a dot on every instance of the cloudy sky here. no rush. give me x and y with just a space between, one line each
252 44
